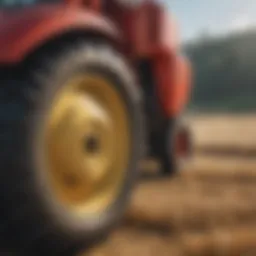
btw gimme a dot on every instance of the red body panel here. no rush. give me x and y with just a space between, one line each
149 32
23 30
173 75
152 34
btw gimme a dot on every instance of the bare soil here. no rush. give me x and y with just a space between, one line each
208 209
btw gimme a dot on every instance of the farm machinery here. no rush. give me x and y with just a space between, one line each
88 88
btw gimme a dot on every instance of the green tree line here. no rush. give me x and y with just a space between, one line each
224 72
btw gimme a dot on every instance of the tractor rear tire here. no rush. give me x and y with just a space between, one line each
177 150
34 220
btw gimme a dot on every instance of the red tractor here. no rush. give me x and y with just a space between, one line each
87 88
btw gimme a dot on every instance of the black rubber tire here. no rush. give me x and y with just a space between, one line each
171 164
31 222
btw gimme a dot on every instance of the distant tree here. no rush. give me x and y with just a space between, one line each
225 76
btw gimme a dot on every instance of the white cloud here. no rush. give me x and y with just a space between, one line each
240 23
237 24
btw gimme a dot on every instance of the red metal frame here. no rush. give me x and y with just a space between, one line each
149 32
25 30
173 75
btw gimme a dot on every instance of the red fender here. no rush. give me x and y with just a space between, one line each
174 76
182 85
22 31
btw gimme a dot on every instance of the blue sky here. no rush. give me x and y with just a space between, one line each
215 16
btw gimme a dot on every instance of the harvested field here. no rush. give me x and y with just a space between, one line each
225 134
207 210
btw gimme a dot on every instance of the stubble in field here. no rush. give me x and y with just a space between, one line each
208 209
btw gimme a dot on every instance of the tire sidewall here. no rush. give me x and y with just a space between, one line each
72 63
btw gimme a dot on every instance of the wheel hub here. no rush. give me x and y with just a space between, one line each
92 145
86 164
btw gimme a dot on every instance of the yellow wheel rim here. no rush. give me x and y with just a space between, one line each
87 144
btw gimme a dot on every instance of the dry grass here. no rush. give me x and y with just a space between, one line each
225 133
207 210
